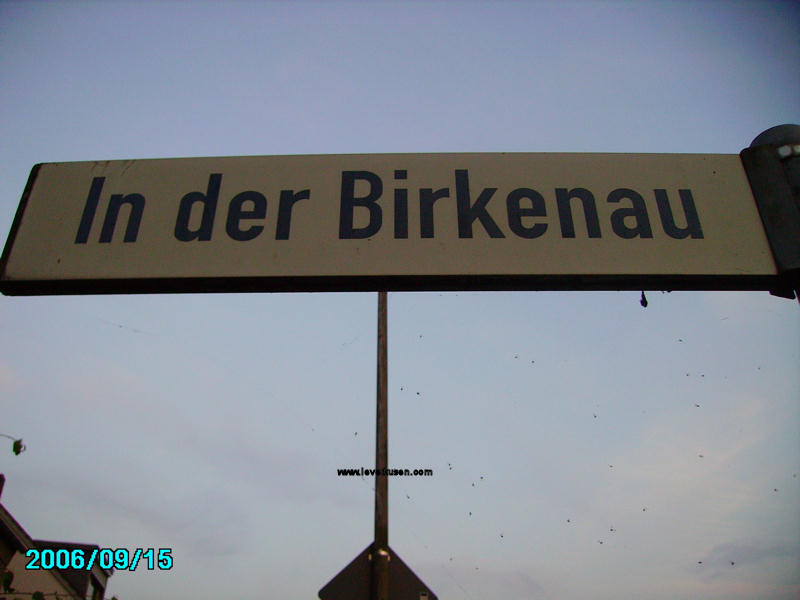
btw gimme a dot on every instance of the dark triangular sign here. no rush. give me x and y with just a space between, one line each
353 582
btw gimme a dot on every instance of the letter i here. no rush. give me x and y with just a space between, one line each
401 207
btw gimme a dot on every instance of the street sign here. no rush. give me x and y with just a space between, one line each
388 221
353 582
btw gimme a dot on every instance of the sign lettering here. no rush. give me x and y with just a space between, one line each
406 221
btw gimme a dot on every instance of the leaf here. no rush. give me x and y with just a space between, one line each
8 577
18 447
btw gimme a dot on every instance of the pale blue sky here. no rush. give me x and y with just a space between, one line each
214 424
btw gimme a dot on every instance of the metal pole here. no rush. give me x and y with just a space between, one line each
380 548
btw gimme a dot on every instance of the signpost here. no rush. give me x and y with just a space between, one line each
513 221
378 573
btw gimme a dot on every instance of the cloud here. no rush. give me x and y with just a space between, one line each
723 556
7 378
465 579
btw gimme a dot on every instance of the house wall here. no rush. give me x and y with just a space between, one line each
36 580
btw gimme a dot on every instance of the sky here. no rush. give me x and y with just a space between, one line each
582 446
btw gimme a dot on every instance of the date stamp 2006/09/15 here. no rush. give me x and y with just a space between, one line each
106 558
